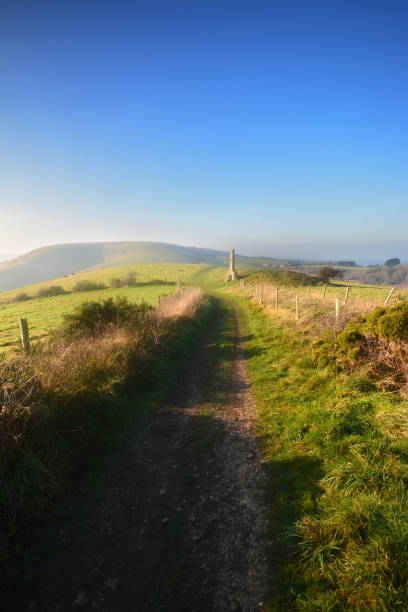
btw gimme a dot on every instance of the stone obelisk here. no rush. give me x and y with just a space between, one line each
232 273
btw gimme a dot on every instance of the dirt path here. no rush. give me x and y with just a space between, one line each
182 525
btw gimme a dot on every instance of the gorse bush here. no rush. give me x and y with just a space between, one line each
50 291
393 325
93 317
378 340
20 297
130 281
88 285
115 282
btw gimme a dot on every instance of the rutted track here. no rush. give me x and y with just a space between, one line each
182 525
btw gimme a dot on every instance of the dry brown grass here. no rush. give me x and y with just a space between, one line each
183 305
316 314
57 402
386 362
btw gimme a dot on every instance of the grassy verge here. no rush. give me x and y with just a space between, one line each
60 410
337 458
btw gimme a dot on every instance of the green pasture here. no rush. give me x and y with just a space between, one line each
144 273
336 453
46 314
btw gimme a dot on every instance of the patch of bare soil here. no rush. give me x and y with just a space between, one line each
182 523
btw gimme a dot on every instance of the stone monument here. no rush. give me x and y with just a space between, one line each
232 273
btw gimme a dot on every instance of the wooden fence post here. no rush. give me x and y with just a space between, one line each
324 291
389 296
297 308
260 294
347 292
25 336
277 298
337 308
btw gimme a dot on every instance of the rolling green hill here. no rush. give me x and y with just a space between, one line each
59 260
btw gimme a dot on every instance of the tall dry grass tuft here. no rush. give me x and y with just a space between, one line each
58 402
183 305
386 362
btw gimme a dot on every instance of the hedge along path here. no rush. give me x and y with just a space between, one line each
183 520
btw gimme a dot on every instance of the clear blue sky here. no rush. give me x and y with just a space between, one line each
279 127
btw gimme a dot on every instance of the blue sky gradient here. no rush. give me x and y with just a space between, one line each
279 127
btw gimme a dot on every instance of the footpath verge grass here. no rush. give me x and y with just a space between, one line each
337 457
61 404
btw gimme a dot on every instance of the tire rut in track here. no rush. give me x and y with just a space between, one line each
182 525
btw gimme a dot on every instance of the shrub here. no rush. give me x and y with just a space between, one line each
50 291
389 324
115 282
393 326
349 338
371 319
88 285
158 282
325 273
20 297
377 342
394 261
130 279
92 317
324 352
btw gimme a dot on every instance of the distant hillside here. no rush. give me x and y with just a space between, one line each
59 260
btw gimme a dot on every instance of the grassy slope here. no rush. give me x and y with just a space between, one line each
45 314
58 260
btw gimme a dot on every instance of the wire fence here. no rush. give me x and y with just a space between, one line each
330 302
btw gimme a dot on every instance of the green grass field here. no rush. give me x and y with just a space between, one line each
336 452
46 314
